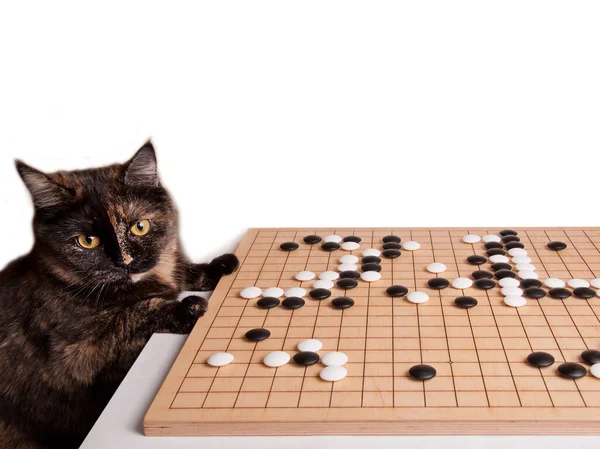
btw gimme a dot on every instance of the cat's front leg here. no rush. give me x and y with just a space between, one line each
205 276
159 315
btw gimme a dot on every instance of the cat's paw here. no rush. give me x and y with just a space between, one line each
225 264
189 310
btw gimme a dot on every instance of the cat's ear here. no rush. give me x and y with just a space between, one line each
141 170
44 191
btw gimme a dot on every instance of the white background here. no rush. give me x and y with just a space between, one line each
312 113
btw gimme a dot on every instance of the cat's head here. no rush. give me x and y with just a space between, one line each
107 225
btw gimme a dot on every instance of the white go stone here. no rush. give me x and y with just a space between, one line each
220 359
333 373
370 276
347 267
251 292
462 283
515 301
311 345
332 238
436 267
595 370
418 297
576 283
491 238
323 283
511 291
595 283
276 358
275 292
554 283
509 282
528 274
521 259
499 258
517 252
524 267
371 252
411 245
295 291
334 359
471 239
305 275
349 258
329 275
350 246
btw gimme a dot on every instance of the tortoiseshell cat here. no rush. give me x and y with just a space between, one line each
103 275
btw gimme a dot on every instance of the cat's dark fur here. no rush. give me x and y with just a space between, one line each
73 320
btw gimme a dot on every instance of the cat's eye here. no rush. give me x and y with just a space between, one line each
88 241
142 227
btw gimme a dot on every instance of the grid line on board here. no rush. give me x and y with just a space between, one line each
558 345
212 322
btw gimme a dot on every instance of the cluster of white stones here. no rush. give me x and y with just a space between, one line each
333 361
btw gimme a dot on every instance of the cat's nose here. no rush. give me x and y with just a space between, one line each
124 261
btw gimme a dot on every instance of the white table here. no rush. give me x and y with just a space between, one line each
120 425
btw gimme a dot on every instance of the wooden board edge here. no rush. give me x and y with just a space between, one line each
424 427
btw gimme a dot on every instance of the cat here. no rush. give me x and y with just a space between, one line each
103 275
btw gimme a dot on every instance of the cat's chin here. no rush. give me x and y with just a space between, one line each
136 277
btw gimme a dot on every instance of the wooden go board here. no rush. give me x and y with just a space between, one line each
483 383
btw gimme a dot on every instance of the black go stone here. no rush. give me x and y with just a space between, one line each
391 253
347 283
258 334
371 267
293 302
343 302
559 293
268 302
540 359
438 283
513 245
584 292
529 283
495 252
422 372
501 274
312 239
591 356
501 266
395 291
482 274
556 246
371 259
289 246
476 260
391 245
510 238
493 245
572 370
352 238
330 246
506 232
391 239
320 293
306 358
349 275
465 302
534 293
485 284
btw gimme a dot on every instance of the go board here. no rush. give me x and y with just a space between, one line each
483 385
